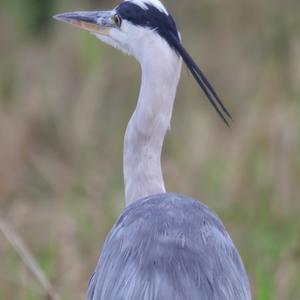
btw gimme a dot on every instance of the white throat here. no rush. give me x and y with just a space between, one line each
150 121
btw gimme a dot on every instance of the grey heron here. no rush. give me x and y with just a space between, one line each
164 246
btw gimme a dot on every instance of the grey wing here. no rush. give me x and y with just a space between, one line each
169 247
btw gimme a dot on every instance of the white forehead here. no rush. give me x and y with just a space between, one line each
155 3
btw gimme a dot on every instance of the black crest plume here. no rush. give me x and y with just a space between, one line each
165 26
203 82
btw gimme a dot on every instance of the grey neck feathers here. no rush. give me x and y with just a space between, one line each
148 125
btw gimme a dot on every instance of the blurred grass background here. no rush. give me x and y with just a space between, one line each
65 100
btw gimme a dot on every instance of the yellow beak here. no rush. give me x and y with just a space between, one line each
93 21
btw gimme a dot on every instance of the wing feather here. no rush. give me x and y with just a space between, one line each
169 247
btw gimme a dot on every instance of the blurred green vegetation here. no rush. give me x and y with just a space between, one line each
65 99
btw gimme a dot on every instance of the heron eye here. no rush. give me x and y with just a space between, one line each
118 20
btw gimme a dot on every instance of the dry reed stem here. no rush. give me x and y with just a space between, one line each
28 259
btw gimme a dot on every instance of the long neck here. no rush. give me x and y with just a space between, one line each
148 125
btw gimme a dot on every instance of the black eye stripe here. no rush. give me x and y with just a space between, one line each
152 18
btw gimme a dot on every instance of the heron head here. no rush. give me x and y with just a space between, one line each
144 29
134 26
